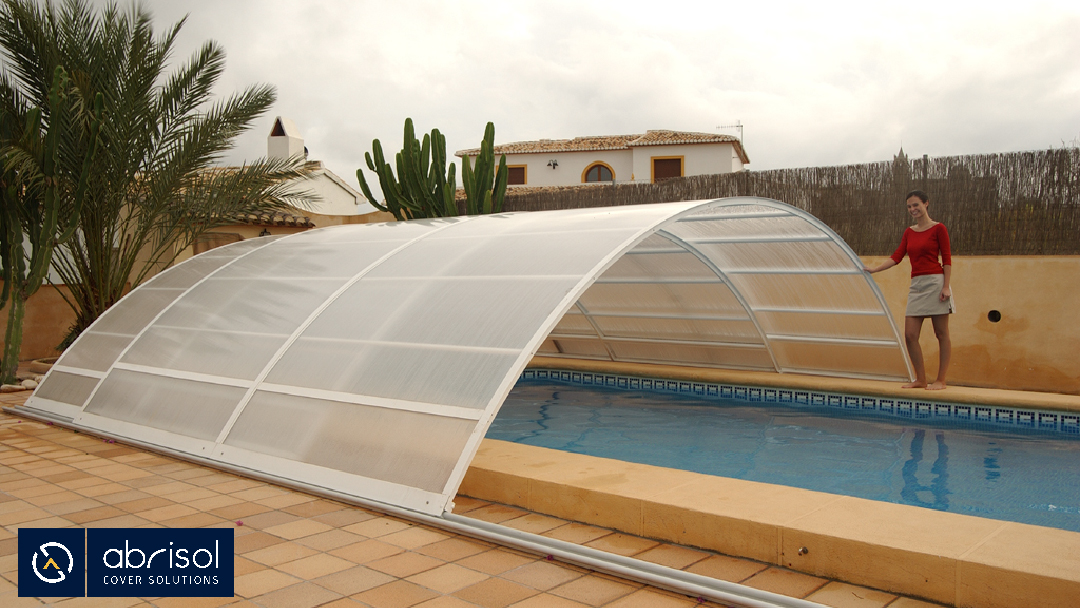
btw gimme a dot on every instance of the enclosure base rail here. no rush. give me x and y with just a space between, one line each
642 571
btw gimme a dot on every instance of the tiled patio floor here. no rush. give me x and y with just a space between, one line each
294 550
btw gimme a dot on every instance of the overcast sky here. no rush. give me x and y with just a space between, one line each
814 83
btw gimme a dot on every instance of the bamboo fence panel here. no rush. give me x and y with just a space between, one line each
1025 203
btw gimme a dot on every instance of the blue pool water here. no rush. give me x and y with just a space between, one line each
1029 478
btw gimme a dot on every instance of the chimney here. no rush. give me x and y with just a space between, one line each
284 140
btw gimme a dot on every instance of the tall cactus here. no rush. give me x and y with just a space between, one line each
37 209
485 187
422 188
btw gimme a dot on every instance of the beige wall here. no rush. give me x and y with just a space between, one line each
1035 346
45 323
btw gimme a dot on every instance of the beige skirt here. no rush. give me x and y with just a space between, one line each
924 297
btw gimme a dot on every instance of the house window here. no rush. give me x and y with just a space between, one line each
516 175
598 172
666 167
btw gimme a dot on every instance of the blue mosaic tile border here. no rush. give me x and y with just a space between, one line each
1017 418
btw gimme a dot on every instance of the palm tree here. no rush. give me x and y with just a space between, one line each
152 189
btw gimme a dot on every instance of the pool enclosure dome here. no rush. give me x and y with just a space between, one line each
371 359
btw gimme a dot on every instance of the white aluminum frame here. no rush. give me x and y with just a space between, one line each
654 219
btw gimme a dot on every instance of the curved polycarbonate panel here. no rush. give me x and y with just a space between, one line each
371 358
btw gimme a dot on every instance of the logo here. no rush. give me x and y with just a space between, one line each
52 562
56 557
159 562
126 562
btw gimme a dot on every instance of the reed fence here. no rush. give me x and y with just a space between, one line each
993 204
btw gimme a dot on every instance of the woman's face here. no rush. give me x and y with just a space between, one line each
916 207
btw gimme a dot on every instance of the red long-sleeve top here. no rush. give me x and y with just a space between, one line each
922 248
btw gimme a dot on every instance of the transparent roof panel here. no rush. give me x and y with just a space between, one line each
370 358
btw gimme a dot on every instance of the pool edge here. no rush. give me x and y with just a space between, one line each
945 557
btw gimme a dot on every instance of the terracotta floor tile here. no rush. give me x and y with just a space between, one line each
785 582
284 500
193 602
85 482
314 508
280 553
167 512
907 602
622 544
297 529
79 505
842 595
398 594
544 575
346 602
494 561
343 518
258 492
722 567
196 520
404 565
18 517
240 510
142 504
97 513
262 582
242 566
233 485
654 598
496 513
366 551
48 522
534 523
464 504
303 595
330 540
50 499
265 520
448 578
121 521
445 601
187 496
254 541
41 488
119 495
495 593
453 549
545 600
315 566
413 537
595 590
376 527
214 502
672 556
354 580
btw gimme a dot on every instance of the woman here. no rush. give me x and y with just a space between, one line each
930 294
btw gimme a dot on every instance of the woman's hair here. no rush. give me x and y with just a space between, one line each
918 194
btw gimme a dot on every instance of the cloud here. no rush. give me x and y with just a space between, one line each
820 84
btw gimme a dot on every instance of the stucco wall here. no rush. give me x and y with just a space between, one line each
46 321
571 166
698 159
1035 345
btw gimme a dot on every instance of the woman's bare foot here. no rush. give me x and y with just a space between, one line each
936 385
915 385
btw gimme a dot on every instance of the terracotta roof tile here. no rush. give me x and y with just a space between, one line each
658 137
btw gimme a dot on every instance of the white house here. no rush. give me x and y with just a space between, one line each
647 158
337 198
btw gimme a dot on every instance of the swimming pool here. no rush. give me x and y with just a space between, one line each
1027 477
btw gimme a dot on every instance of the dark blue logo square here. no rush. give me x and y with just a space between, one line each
51 562
159 562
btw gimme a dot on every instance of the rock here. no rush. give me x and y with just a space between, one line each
11 388
38 379
29 384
